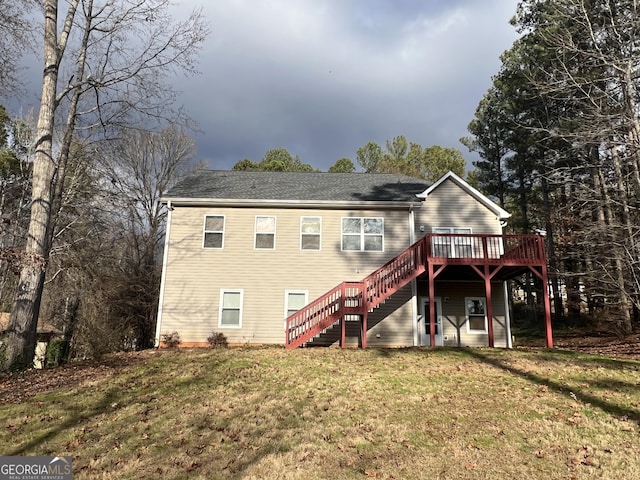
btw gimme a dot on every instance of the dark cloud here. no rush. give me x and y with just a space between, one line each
322 78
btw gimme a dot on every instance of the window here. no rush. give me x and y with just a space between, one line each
265 233
213 231
310 231
476 314
230 308
452 247
294 300
363 234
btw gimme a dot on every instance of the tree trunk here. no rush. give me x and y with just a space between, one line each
552 257
21 332
623 317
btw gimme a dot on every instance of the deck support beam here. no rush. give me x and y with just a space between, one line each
544 276
432 305
363 330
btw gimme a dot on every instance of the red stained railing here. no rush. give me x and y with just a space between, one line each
356 298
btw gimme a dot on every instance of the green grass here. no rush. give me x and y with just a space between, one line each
331 413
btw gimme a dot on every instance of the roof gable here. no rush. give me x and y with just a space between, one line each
450 176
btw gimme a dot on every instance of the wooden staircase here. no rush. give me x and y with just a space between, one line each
486 254
356 298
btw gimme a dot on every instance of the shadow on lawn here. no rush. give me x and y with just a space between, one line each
75 416
574 392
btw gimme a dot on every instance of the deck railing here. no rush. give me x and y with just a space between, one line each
497 249
356 298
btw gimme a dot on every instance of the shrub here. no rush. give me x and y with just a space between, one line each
57 353
217 339
171 340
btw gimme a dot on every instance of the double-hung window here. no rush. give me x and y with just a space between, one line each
265 232
365 234
476 314
230 314
310 233
213 236
294 300
452 246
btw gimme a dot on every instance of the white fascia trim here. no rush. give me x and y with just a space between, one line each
204 202
502 214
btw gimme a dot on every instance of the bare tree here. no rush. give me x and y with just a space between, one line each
140 168
108 65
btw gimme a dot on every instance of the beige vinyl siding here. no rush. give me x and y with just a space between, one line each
195 276
453 312
450 206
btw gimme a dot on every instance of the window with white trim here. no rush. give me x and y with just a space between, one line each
365 234
294 300
452 247
476 313
265 233
230 308
213 236
310 233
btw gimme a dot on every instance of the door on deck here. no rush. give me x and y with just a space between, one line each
424 326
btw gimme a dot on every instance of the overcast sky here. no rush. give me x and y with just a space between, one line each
322 78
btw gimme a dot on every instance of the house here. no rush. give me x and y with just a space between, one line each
339 258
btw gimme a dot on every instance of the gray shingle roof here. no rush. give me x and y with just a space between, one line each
345 187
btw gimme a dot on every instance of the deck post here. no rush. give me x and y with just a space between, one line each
544 276
363 319
547 307
432 306
489 299
343 323
363 330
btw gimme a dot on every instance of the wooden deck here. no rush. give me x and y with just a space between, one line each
490 257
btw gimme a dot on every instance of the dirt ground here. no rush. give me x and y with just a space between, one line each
17 386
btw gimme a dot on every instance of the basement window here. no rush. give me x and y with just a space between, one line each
476 314
230 308
294 301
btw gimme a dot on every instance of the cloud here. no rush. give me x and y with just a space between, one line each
323 78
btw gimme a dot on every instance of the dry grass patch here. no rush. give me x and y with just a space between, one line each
330 413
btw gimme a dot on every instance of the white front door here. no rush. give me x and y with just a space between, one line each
424 327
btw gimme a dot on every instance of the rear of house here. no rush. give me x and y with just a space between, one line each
244 250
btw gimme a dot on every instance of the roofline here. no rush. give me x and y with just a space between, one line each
239 202
502 213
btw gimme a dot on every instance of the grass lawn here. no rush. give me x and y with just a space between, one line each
331 413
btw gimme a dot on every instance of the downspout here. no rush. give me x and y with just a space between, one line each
163 278
414 282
